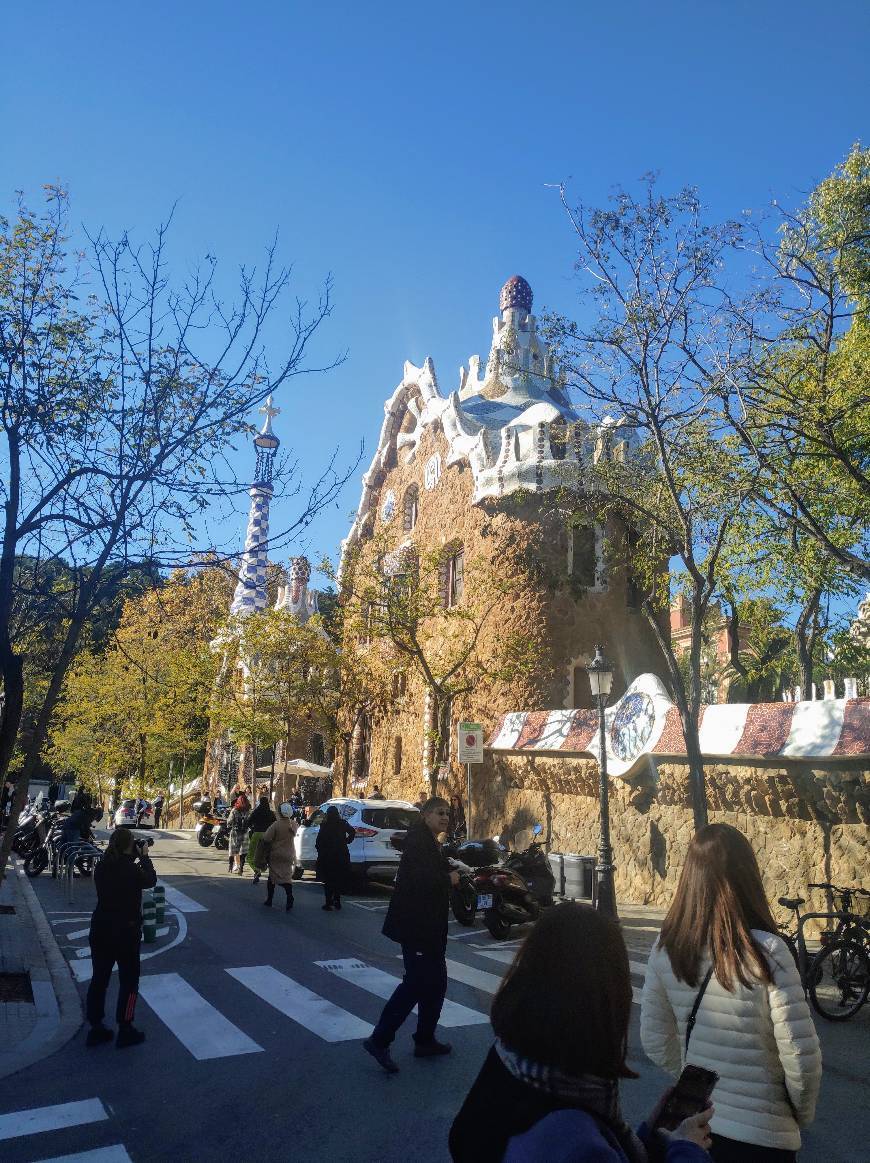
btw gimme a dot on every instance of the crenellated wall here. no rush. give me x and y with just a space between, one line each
806 821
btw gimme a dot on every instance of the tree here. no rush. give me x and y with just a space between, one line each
115 416
663 478
802 407
142 702
424 611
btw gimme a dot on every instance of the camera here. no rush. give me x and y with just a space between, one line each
143 843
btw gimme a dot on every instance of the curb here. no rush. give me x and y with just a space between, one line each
58 1006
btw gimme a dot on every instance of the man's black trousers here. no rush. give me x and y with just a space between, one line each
424 986
108 946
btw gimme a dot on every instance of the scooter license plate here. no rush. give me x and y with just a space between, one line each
484 900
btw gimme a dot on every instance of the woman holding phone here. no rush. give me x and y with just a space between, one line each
548 1091
719 957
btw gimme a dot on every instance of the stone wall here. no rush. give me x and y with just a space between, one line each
807 822
523 538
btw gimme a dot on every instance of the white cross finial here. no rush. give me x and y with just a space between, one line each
269 412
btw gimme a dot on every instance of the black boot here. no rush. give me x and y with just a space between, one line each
128 1035
98 1034
288 891
270 892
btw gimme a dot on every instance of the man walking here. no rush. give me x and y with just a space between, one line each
417 920
158 809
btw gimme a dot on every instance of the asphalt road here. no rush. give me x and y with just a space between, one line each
254 1019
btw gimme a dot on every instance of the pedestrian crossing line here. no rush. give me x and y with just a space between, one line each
505 956
638 967
383 984
200 1028
51 1118
114 1154
182 902
302 1005
468 975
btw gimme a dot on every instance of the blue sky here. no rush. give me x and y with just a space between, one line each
407 148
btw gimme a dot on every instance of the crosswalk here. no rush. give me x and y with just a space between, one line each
206 1033
45 1120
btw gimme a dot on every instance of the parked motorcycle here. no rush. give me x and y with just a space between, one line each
466 857
514 892
28 835
50 852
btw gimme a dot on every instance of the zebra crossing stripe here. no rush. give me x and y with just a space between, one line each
468 975
321 1017
382 985
114 1154
202 1029
51 1118
505 956
182 902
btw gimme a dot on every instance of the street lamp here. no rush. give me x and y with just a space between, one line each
600 679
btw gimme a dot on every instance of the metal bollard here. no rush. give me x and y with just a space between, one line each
159 895
149 920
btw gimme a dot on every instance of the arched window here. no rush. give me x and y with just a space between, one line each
454 579
558 439
409 507
397 755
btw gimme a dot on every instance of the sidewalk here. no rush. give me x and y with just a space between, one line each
31 1029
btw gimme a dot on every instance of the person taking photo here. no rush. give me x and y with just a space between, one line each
116 932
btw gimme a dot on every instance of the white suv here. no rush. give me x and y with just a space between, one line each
375 823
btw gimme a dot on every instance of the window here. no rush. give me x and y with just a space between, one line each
397 755
581 691
389 817
363 748
583 556
558 439
455 578
410 507
316 749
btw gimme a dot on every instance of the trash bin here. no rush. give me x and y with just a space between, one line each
578 876
557 867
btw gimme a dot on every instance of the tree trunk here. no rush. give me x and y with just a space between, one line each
805 631
345 766
142 754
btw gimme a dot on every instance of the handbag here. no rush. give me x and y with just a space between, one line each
699 997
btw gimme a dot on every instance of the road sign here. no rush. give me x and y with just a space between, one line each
470 748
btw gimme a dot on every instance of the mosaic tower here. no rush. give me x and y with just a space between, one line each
250 593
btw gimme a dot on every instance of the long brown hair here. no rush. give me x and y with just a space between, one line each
566 1000
719 900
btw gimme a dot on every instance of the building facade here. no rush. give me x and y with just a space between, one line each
478 475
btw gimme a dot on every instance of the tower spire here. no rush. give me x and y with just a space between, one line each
250 593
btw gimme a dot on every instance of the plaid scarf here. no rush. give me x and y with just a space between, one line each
597 1096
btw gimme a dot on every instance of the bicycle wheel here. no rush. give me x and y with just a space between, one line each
839 980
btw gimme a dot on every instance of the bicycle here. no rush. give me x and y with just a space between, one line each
837 979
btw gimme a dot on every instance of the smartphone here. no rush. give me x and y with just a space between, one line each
691 1095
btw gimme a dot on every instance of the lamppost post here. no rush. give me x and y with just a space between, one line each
600 679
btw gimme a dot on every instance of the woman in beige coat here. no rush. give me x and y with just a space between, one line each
752 1025
279 836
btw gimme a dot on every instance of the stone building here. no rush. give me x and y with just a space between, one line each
477 473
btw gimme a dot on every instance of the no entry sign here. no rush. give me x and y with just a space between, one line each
470 748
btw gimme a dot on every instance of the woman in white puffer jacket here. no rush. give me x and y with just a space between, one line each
753 1025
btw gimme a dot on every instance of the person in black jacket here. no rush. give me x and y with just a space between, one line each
333 856
116 930
417 919
261 817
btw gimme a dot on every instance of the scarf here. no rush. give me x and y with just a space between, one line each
597 1096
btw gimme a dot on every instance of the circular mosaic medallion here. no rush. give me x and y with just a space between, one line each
632 726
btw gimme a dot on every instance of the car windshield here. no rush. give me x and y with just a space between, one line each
389 817
129 804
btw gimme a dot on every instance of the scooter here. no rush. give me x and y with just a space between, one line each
465 857
514 893
211 829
